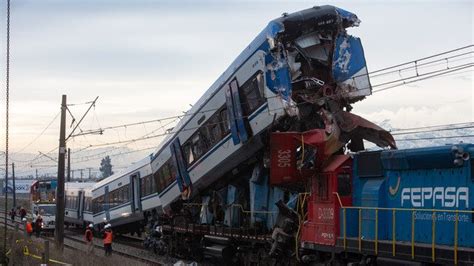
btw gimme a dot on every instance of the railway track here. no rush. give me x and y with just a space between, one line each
75 241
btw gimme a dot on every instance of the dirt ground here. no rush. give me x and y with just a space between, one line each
22 250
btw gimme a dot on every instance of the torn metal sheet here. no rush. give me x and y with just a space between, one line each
349 68
315 67
357 127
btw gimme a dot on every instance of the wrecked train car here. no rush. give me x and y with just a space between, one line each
301 73
210 179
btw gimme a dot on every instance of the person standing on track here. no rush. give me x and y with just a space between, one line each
28 227
90 239
13 214
108 236
38 225
22 213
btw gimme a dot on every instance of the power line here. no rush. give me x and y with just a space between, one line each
403 80
442 61
425 78
423 58
424 131
456 68
39 135
92 157
430 129
438 137
220 121
424 127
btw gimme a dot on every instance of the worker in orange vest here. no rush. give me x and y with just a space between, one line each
90 239
28 227
108 236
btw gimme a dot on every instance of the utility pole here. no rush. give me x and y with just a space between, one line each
14 187
81 174
3 258
68 165
59 225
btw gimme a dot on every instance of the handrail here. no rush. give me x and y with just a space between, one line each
413 221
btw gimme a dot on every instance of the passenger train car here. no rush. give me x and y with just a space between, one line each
302 71
123 198
78 207
268 166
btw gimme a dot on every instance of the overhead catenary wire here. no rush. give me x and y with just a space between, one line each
442 61
39 135
212 110
7 117
436 137
219 122
427 129
433 126
374 86
171 132
420 59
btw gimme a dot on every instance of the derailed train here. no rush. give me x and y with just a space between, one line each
267 166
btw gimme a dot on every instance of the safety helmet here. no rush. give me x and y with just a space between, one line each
24 219
91 226
107 226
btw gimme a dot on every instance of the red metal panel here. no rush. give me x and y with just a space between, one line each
322 225
283 158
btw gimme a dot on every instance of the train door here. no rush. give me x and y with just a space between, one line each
106 203
238 127
80 209
135 182
182 175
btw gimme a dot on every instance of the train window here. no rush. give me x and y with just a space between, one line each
164 176
74 202
98 204
125 190
153 184
157 178
225 125
148 185
251 94
197 145
344 184
188 152
142 186
214 128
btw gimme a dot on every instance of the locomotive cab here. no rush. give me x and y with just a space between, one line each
331 189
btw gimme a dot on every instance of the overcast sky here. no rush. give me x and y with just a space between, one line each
151 59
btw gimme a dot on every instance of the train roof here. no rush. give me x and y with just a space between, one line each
79 185
132 168
428 157
294 22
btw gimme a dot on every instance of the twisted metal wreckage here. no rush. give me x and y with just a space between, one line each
316 71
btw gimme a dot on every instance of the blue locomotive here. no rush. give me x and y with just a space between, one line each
421 197
394 205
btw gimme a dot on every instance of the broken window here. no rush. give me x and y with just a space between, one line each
224 122
188 152
251 94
